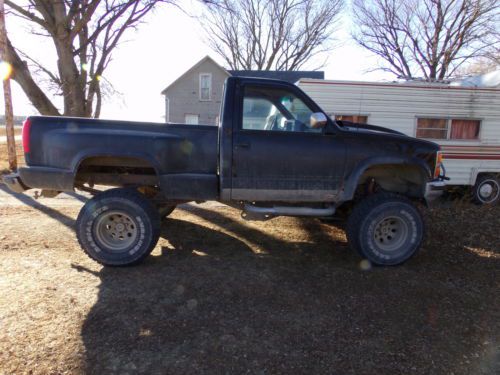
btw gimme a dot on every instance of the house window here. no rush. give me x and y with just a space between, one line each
439 128
205 86
352 118
191 119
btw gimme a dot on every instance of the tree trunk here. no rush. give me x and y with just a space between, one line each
97 25
73 91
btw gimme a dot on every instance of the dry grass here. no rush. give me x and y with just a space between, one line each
4 158
17 131
220 295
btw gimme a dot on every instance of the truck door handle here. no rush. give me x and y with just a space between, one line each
242 145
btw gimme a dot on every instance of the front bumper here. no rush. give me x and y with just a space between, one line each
434 190
14 183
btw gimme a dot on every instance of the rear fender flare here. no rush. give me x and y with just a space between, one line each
84 155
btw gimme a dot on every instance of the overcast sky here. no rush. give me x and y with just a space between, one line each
163 48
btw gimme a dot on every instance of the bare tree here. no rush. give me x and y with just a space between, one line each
426 38
271 34
479 66
494 54
84 33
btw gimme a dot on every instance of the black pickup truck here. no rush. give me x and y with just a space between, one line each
275 152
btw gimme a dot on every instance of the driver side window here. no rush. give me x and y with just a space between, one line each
275 110
256 112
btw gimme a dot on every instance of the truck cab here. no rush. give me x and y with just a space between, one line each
282 147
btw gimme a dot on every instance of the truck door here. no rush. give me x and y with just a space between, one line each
277 156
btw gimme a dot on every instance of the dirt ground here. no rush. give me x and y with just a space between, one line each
223 296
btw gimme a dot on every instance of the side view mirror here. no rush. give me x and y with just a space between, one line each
318 120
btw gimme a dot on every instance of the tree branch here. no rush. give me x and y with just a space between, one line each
23 77
271 34
426 37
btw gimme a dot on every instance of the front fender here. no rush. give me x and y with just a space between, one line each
352 179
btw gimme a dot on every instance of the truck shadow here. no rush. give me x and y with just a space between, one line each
222 296
67 221
316 242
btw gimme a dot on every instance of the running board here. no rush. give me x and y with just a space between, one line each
251 212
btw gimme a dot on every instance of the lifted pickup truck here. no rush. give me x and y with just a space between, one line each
274 153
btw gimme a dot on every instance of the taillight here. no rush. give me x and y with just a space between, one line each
437 168
26 135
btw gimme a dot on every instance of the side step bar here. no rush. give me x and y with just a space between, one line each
251 212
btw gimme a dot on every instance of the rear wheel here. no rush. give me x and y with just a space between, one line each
118 227
385 228
486 190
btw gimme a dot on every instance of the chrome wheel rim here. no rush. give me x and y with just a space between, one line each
390 233
116 231
488 191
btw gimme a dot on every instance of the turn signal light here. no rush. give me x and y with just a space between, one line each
437 168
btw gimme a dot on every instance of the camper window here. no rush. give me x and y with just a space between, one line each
440 128
352 118
464 129
434 128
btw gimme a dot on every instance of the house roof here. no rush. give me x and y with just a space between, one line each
193 68
285 75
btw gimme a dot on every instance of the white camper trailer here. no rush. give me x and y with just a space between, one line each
465 121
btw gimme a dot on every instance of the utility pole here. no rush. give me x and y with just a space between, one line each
9 113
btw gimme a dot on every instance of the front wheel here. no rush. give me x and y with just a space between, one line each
118 227
385 228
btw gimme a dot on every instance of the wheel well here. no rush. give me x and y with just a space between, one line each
486 197
482 174
408 180
116 171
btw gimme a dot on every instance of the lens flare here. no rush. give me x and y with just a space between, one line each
5 70
365 265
